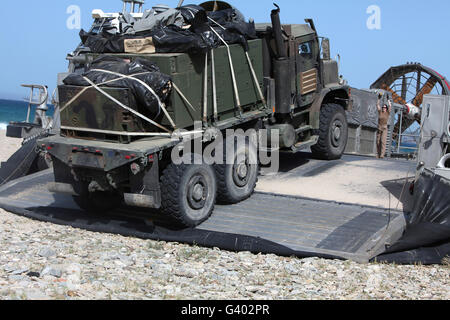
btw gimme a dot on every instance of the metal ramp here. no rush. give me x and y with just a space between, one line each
266 223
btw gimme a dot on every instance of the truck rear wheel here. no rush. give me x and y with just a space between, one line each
333 133
237 178
188 193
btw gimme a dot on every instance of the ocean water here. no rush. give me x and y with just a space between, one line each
406 147
12 110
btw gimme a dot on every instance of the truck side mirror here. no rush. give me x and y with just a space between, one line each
326 55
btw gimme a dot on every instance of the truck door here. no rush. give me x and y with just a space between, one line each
307 70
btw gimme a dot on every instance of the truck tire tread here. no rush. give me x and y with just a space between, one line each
171 180
224 196
322 149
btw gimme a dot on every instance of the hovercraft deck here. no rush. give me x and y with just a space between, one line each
266 223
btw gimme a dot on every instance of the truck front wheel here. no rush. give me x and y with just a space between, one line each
333 133
188 193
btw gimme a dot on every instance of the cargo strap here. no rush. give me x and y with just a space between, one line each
124 106
160 103
205 92
119 133
214 85
120 78
252 69
255 78
233 75
183 96
86 88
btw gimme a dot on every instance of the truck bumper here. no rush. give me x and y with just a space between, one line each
143 200
99 155
146 201
132 170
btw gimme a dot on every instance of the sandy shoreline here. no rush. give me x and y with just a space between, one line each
368 182
8 146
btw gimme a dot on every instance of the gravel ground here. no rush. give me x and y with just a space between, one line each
44 261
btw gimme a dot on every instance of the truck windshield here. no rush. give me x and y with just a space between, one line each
304 49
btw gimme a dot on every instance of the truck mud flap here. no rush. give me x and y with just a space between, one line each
268 224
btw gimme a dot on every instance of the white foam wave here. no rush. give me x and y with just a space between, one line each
3 126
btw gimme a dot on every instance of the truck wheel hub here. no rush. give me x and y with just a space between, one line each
336 134
240 175
197 192
242 170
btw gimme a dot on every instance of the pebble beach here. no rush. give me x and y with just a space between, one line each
41 261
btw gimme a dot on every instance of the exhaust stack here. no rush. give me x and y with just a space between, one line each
278 33
281 67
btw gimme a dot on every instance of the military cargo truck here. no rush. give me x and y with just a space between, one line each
108 152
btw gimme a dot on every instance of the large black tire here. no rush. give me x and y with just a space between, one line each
188 193
238 176
97 203
333 133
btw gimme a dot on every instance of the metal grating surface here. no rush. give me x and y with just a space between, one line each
350 237
348 231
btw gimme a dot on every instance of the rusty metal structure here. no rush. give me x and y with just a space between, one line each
408 84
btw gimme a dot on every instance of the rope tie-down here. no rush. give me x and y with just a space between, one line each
162 106
233 76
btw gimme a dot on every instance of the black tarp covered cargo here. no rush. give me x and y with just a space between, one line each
202 31
141 69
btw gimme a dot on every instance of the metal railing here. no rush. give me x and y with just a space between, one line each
134 5
43 97
395 147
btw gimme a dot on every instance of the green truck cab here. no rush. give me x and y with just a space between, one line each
285 83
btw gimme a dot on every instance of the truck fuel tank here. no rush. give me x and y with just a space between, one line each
281 135
282 88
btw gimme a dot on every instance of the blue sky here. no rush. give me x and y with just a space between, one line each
35 39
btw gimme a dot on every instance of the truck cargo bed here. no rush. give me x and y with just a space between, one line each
187 73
